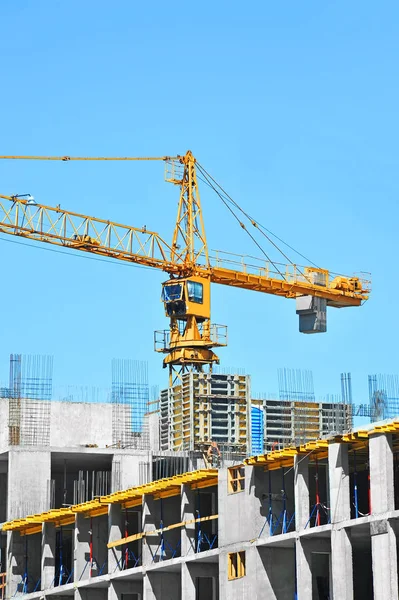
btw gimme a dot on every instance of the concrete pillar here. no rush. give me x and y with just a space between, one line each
15 561
115 532
341 565
303 570
338 475
384 558
188 513
100 550
301 491
381 473
81 548
150 544
48 555
187 583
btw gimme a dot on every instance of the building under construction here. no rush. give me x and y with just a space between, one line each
121 471
314 521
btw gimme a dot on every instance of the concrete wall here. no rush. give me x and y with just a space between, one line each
275 573
28 474
77 423
71 424
249 514
165 586
125 469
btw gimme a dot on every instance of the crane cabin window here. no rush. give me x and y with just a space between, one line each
172 292
195 291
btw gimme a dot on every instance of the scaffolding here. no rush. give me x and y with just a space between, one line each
130 398
206 407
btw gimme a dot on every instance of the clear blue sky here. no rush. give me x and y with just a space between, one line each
291 106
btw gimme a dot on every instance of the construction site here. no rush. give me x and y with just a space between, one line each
204 490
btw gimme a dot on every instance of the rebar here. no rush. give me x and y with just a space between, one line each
130 398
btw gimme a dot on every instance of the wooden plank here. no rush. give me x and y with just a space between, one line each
138 536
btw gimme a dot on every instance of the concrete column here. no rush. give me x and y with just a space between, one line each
115 532
341 565
381 473
303 570
188 513
149 544
81 547
15 561
48 555
301 491
384 558
338 475
100 550
187 583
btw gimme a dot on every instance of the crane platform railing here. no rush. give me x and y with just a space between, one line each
23 217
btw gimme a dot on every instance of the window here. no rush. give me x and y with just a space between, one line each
236 565
172 292
236 479
195 291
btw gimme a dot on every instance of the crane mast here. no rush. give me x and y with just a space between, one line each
188 343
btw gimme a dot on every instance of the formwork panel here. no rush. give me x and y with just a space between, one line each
205 407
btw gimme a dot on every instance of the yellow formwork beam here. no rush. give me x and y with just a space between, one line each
161 488
138 536
320 446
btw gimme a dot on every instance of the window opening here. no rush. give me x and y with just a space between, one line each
236 565
236 479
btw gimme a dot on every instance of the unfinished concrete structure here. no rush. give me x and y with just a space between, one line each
315 521
204 407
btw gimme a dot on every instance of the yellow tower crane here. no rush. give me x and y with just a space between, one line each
189 342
